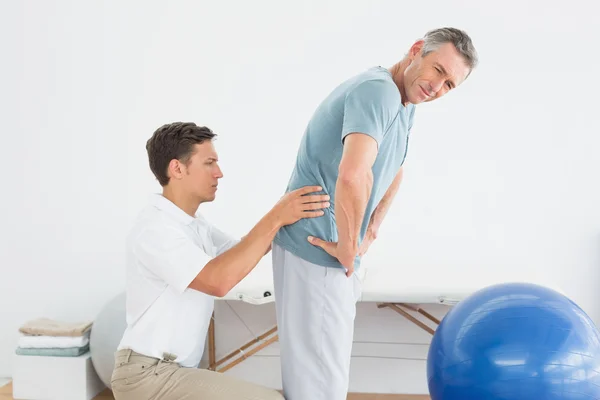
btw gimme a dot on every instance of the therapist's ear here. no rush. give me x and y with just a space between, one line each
176 169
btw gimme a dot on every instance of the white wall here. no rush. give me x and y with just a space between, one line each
501 179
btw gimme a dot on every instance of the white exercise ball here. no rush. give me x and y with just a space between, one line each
105 336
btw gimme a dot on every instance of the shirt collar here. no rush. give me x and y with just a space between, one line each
162 203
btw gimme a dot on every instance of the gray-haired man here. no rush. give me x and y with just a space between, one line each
354 147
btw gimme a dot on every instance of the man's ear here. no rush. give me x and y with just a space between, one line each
175 170
415 49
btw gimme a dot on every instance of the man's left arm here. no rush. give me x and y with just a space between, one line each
380 211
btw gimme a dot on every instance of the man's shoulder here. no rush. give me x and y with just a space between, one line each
152 222
375 84
375 78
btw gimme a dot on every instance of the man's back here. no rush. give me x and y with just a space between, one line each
368 103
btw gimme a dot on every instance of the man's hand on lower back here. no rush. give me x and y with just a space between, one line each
345 257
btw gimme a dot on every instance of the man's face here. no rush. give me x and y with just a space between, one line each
200 176
430 77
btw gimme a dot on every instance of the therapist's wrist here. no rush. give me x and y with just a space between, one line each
274 220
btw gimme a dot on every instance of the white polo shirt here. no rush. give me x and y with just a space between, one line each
166 249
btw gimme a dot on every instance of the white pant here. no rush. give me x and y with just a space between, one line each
316 307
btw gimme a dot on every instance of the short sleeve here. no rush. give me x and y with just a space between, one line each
221 240
171 255
370 107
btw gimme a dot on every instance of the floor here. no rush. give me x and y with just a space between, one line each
6 394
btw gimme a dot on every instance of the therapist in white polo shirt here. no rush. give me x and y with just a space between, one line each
178 262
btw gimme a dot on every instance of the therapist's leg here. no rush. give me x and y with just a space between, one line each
137 377
315 308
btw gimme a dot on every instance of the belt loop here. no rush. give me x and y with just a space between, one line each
166 357
126 353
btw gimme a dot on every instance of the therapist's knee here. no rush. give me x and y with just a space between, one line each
274 395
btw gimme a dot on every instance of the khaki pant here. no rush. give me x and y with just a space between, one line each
137 377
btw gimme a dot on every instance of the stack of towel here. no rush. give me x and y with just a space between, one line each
47 337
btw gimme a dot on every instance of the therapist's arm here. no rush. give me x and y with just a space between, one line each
226 270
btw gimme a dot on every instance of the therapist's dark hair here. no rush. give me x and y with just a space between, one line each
174 141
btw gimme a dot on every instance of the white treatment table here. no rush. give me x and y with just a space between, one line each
379 286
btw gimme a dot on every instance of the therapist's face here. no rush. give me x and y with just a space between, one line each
201 173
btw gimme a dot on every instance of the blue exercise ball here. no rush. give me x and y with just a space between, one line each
515 341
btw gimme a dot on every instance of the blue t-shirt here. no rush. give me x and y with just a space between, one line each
368 103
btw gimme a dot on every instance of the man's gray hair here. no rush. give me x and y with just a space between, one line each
437 37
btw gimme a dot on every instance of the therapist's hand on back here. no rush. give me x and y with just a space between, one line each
299 204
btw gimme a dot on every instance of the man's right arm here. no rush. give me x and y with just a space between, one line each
353 190
369 109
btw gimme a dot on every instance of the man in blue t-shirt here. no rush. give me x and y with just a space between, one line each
354 147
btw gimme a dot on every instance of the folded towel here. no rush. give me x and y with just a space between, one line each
50 327
61 342
53 352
